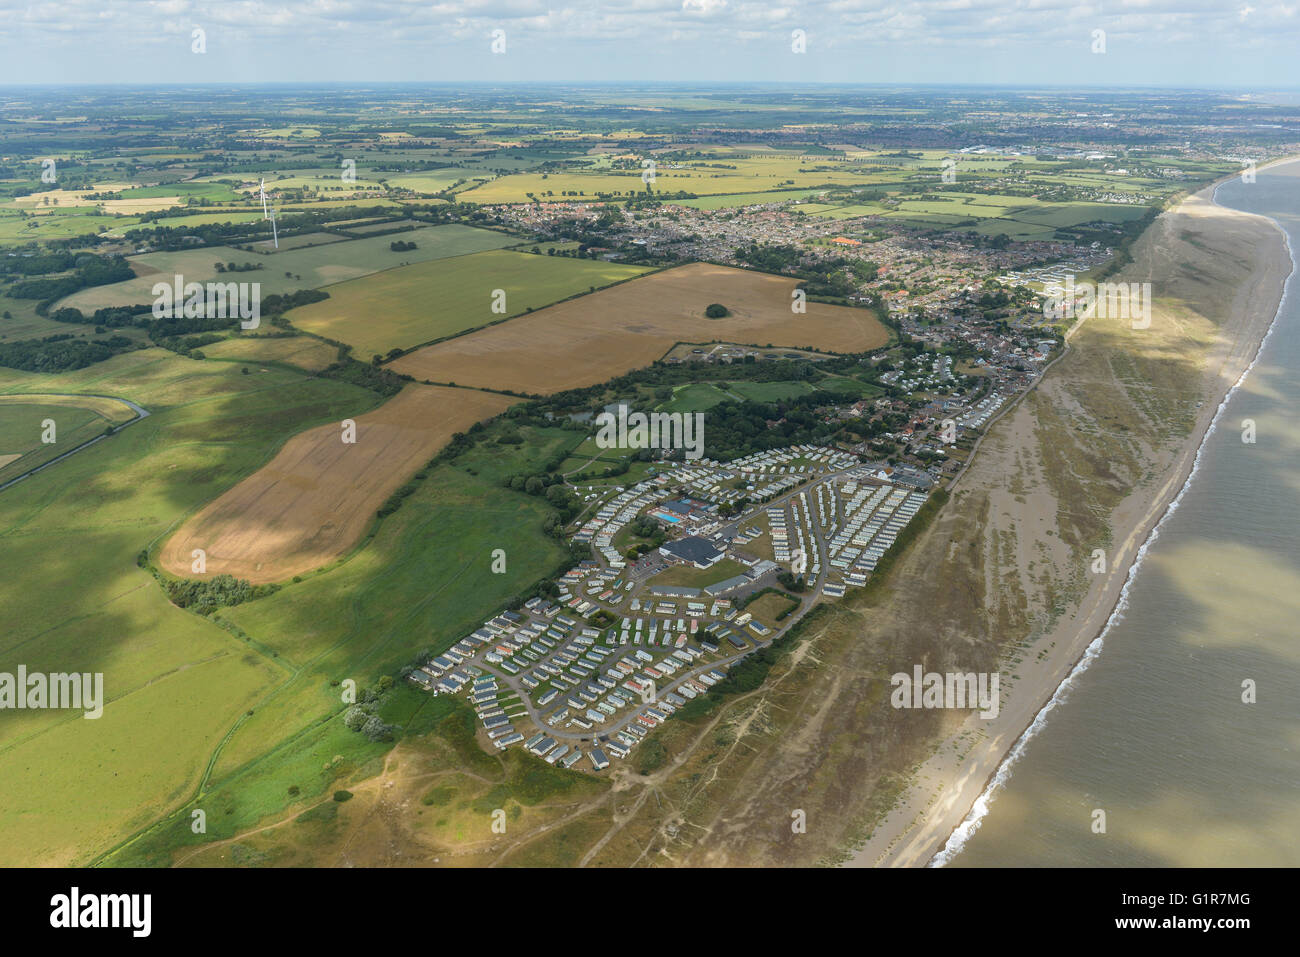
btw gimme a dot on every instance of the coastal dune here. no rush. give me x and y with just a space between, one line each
1134 406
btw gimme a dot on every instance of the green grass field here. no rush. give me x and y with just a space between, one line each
307 268
688 576
769 391
415 304
24 323
696 397
43 226
206 219
701 396
849 388
174 683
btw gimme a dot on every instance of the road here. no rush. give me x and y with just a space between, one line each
140 413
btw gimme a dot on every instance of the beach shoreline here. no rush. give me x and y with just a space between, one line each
950 792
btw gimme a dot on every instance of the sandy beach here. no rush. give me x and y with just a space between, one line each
946 787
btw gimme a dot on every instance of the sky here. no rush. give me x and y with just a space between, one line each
1188 43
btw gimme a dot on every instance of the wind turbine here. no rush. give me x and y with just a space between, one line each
275 235
262 190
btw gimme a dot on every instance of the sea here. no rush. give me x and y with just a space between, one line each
1176 741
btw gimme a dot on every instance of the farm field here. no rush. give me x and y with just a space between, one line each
430 181
310 268
324 180
319 494
745 199
296 242
207 219
410 305
43 225
717 173
630 325
76 419
24 323
308 354
989 214
825 211
175 683
421 583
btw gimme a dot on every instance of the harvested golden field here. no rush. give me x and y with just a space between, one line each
317 497
594 338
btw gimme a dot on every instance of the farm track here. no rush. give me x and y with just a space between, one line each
140 413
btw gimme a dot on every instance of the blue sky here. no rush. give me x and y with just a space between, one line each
1201 43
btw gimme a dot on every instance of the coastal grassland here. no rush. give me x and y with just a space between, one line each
75 599
76 419
288 270
415 304
431 804
629 325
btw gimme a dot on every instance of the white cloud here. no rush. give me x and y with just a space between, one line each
447 39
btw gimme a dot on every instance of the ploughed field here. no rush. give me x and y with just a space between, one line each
594 338
319 494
